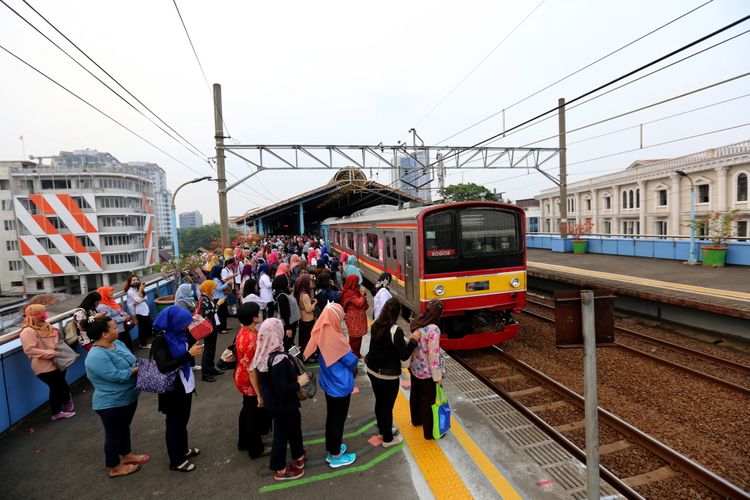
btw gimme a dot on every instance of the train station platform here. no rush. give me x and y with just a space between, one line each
491 452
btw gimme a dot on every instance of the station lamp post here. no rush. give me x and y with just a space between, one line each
691 260
173 210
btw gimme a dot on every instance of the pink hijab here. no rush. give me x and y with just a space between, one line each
328 336
270 340
312 254
283 269
273 257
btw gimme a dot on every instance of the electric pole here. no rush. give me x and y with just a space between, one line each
563 166
220 172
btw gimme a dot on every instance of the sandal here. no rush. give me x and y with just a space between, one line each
140 460
192 452
183 467
133 468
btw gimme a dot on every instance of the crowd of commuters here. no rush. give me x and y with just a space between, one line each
285 292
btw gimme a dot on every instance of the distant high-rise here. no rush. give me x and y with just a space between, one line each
414 175
191 219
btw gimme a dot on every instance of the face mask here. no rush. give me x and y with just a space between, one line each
41 317
135 283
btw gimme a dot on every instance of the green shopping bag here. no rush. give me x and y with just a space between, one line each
441 414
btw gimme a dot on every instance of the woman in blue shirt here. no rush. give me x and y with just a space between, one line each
111 369
338 364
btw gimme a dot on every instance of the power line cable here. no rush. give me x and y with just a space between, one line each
97 109
434 107
203 155
576 71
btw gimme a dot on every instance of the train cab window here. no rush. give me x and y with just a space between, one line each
487 232
350 241
372 246
439 235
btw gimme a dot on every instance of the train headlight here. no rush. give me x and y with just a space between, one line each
439 290
515 282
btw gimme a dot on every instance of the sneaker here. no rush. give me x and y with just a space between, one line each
396 440
300 462
288 474
63 414
342 450
69 405
394 431
197 368
342 460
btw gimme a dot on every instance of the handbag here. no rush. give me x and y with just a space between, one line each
129 324
65 356
150 379
306 391
71 330
200 327
441 414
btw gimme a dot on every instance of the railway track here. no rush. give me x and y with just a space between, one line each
670 462
740 370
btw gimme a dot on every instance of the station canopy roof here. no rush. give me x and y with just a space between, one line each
347 192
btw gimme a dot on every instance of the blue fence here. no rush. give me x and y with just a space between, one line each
21 392
738 253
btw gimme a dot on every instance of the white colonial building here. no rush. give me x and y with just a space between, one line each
651 198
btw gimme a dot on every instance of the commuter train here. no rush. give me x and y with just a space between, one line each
469 255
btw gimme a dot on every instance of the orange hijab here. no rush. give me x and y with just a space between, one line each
328 336
107 299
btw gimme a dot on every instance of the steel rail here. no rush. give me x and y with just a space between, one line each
675 459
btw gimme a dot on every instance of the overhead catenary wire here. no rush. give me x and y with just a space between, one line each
92 106
203 155
586 66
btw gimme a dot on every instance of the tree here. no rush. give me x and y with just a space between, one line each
467 192
165 242
195 237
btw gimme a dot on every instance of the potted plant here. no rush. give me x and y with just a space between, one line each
182 269
717 227
577 232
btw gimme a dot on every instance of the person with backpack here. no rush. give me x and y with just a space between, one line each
254 419
388 347
425 367
279 384
338 366
289 312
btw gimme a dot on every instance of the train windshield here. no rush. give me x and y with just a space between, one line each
472 239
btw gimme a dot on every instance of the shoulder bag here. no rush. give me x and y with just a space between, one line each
441 414
404 364
65 356
306 391
71 329
200 327
150 379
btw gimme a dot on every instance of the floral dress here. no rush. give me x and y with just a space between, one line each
245 345
426 360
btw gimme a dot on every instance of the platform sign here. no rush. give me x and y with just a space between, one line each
568 322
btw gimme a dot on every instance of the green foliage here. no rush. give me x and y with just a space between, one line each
467 192
185 263
195 237
717 226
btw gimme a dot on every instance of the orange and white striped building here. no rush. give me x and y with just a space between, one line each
73 228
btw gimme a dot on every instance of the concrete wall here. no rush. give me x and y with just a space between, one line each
21 392
737 254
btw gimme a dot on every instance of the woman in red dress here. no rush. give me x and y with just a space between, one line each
354 302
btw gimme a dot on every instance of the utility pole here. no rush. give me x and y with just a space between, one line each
563 166
220 172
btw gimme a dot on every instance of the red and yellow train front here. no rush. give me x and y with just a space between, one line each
473 259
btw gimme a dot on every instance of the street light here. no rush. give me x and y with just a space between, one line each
173 210
691 260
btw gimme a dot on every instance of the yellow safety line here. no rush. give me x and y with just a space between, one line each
437 470
710 292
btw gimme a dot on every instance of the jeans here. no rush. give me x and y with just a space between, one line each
386 392
178 415
421 399
254 422
59 392
336 412
116 423
287 429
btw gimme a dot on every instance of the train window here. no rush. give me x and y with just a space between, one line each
372 246
350 240
439 235
488 232
393 244
407 250
388 247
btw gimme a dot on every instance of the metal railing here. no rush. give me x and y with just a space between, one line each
674 237
58 320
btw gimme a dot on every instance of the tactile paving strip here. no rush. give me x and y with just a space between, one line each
561 466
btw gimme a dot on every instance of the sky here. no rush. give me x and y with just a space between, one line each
337 72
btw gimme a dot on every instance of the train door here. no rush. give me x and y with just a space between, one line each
409 271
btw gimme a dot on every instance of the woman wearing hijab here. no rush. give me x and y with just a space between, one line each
294 268
354 302
112 309
388 348
289 311
170 352
208 309
424 367
283 270
303 293
352 269
111 368
279 383
86 310
39 341
382 295
266 289
184 297
338 365
272 257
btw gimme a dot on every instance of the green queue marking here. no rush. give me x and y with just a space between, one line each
359 431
